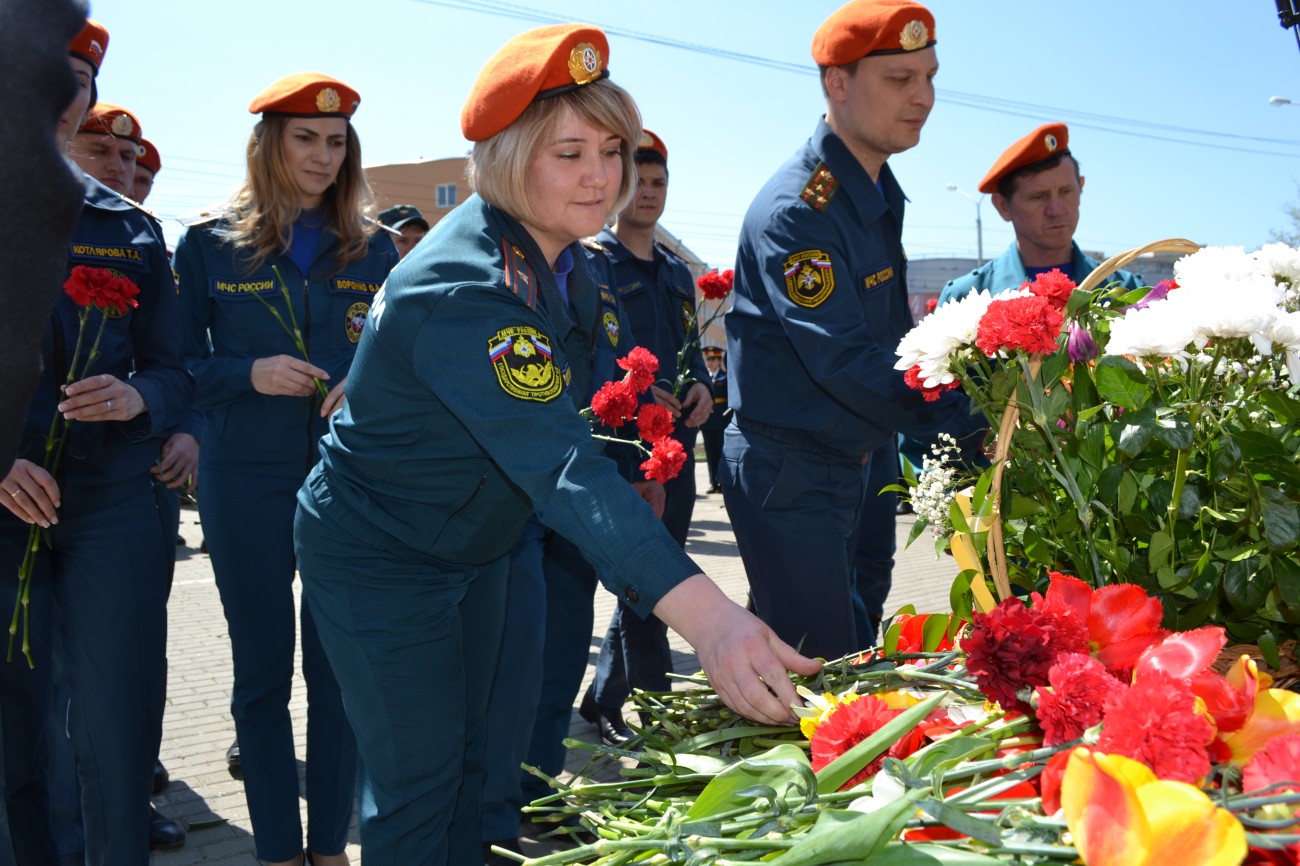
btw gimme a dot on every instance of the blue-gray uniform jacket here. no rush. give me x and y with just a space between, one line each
659 297
227 329
456 425
820 305
142 348
1007 272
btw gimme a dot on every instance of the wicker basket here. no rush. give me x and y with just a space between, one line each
997 556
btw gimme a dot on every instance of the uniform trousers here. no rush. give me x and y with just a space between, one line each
414 645
101 584
795 515
635 653
248 524
873 557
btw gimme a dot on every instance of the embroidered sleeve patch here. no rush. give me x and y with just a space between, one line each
820 188
354 321
525 367
610 322
809 278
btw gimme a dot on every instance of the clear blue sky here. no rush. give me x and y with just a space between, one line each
1167 101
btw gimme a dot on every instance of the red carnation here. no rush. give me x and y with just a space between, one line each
1030 323
1012 647
1080 687
850 724
931 305
100 287
615 403
1053 285
654 422
665 461
1278 763
1155 721
716 286
641 365
912 378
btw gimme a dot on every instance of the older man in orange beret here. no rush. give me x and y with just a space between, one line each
1036 186
820 304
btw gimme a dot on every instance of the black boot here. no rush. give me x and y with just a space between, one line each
164 833
613 730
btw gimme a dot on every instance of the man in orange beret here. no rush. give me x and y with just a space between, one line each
1036 186
106 146
148 163
820 304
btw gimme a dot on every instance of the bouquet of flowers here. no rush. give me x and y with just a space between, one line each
95 291
1146 437
1069 729
618 403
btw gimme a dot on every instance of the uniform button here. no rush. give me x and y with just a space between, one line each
631 595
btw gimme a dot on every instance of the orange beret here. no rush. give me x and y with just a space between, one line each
107 119
535 65
146 156
307 94
650 141
1045 142
865 27
90 44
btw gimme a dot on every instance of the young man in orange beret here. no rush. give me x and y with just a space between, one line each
820 304
1036 186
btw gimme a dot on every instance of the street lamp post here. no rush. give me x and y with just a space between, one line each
979 225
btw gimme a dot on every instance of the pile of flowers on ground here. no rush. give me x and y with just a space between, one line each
1066 727
1152 435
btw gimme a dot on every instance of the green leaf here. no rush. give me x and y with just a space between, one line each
1174 432
1283 407
964 823
1281 520
1286 575
906 854
832 776
946 753
1128 491
782 769
1134 430
1160 549
892 634
1258 446
1121 381
933 632
1243 585
1268 649
959 596
851 837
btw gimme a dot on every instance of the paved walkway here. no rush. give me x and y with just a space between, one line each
199 729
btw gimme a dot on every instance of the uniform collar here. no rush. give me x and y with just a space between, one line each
853 178
100 196
618 250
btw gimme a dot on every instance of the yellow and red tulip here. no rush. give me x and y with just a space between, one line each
1120 814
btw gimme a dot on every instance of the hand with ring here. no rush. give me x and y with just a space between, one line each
33 494
101 398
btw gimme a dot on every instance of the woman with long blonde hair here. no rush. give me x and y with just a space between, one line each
294 251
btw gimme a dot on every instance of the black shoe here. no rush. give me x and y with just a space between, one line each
491 858
164 833
203 546
609 723
715 487
233 763
903 507
161 778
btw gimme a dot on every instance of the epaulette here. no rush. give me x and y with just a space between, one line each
141 208
593 244
820 188
206 215
519 277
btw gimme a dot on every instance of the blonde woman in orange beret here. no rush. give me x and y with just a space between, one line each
457 428
296 239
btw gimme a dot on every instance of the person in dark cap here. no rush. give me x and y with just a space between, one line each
820 304
406 219
457 428
1036 186
301 217
711 430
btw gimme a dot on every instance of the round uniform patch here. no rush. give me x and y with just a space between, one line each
611 327
809 278
521 357
354 322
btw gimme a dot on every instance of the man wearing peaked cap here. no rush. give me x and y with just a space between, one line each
1036 186
820 304
408 220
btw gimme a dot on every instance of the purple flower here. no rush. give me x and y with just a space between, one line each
1080 344
1158 292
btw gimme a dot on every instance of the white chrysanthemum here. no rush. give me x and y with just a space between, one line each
1214 267
1280 260
931 343
1163 329
1244 309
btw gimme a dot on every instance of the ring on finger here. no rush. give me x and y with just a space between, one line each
14 493
109 405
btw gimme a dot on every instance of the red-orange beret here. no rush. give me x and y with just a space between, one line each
1045 142
307 94
535 65
107 119
90 44
650 141
865 27
146 156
